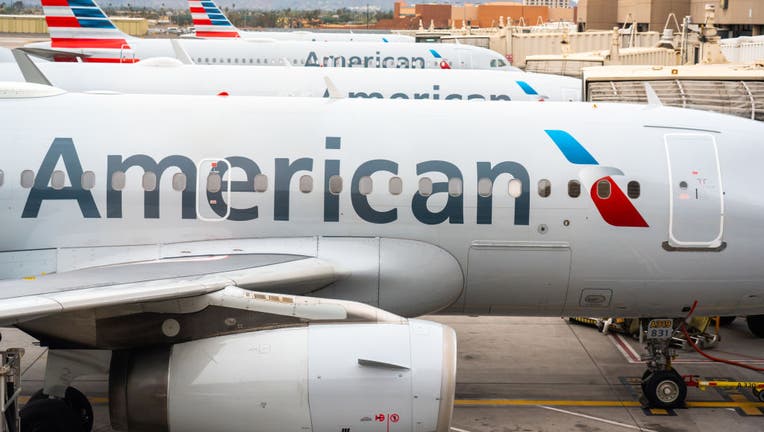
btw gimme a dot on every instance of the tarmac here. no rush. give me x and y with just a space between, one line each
543 374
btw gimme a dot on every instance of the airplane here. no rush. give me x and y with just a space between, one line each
170 76
210 22
201 249
81 31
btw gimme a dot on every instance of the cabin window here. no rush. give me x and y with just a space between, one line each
198 59
425 186
2 177
365 185
179 181
545 188
335 185
27 179
88 180
574 188
214 60
485 185
261 183
396 185
118 180
497 63
633 189
603 189
229 60
149 181
214 183
306 184
206 59
455 187
258 61
236 60
515 188
57 180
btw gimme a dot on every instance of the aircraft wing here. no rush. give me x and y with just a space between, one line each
163 280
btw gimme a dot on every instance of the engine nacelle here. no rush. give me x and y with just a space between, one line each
318 377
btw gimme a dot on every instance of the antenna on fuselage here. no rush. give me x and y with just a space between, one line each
334 92
652 98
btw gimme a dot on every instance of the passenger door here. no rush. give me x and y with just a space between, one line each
696 203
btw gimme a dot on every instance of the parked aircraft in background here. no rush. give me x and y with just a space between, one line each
169 76
80 30
210 22
196 225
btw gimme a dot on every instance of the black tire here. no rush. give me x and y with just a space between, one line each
759 394
49 415
726 320
756 325
645 376
665 389
81 407
78 403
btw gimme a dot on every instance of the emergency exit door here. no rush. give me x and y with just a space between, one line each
696 201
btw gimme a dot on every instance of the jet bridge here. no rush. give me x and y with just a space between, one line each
725 88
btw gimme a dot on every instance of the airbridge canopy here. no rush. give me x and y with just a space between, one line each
729 89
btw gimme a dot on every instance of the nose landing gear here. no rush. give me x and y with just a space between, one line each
662 386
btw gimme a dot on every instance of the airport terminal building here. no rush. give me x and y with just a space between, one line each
734 17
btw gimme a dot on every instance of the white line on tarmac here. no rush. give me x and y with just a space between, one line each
610 422
458 430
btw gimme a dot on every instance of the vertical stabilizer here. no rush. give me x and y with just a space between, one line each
82 25
209 21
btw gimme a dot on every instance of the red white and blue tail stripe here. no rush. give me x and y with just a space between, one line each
209 21
81 25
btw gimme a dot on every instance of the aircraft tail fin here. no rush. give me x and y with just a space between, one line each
209 20
82 24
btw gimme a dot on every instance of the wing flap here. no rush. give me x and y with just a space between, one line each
158 281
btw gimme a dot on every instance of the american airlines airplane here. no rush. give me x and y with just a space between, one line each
79 29
210 22
192 246
170 76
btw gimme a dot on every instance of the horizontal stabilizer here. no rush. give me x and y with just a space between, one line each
54 55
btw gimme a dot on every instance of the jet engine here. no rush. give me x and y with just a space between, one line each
316 377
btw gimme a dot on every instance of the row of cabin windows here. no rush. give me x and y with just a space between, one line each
273 61
365 184
260 61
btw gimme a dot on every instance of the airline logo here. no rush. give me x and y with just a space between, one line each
443 64
81 24
209 21
615 208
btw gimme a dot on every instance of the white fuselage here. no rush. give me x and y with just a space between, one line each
302 54
169 77
528 244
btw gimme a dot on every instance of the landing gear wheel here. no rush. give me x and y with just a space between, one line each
76 401
49 415
665 389
756 325
726 320
759 394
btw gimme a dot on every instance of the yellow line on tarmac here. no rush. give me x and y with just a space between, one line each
746 405
527 402
93 400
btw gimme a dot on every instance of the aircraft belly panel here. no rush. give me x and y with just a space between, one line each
524 278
